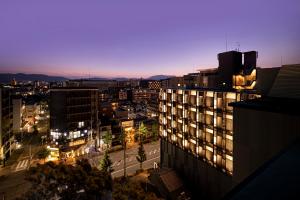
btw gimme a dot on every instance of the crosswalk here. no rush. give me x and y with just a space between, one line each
22 165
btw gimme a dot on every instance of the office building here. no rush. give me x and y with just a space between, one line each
73 113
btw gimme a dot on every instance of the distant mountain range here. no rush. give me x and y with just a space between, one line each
159 77
8 77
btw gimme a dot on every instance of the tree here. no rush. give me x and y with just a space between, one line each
141 157
107 139
123 139
35 130
67 181
143 131
106 164
43 153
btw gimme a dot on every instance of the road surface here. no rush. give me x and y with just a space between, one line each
152 152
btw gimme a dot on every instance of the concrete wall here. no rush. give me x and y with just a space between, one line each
205 181
258 136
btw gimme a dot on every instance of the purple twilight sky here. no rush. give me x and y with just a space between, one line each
143 38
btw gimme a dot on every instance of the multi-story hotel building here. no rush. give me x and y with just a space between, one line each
201 122
196 123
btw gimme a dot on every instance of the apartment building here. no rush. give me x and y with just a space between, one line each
6 124
18 111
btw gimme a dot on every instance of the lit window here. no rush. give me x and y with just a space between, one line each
80 124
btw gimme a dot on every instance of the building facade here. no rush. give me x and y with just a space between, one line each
6 124
196 123
73 113
18 109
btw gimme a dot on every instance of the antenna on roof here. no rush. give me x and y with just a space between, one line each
238 46
226 41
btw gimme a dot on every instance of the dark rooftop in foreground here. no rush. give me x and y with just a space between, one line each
271 104
277 179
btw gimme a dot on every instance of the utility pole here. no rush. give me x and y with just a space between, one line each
124 152
29 154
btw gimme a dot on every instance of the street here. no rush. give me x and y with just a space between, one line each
12 175
153 155
20 159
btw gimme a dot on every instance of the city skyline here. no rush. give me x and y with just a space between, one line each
135 39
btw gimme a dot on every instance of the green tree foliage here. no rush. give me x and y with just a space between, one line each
143 131
68 182
141 157
35 130
43 153
106 164
107 139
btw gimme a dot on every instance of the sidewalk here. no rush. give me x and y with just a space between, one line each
10 162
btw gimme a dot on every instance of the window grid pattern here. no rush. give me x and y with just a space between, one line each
201 123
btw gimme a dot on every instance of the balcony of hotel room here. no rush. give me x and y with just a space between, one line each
223 163
209 100
169 125
179 96
179 111
174 110
209 137
209 119
219 102
174 96
230 97
162 95
192 116
169 109
200 99
193 98
185 112
161 104
174 123
200 117
169 134
192 132
185 97
192 147
229 144
179 141
169 97
209 155
220 141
